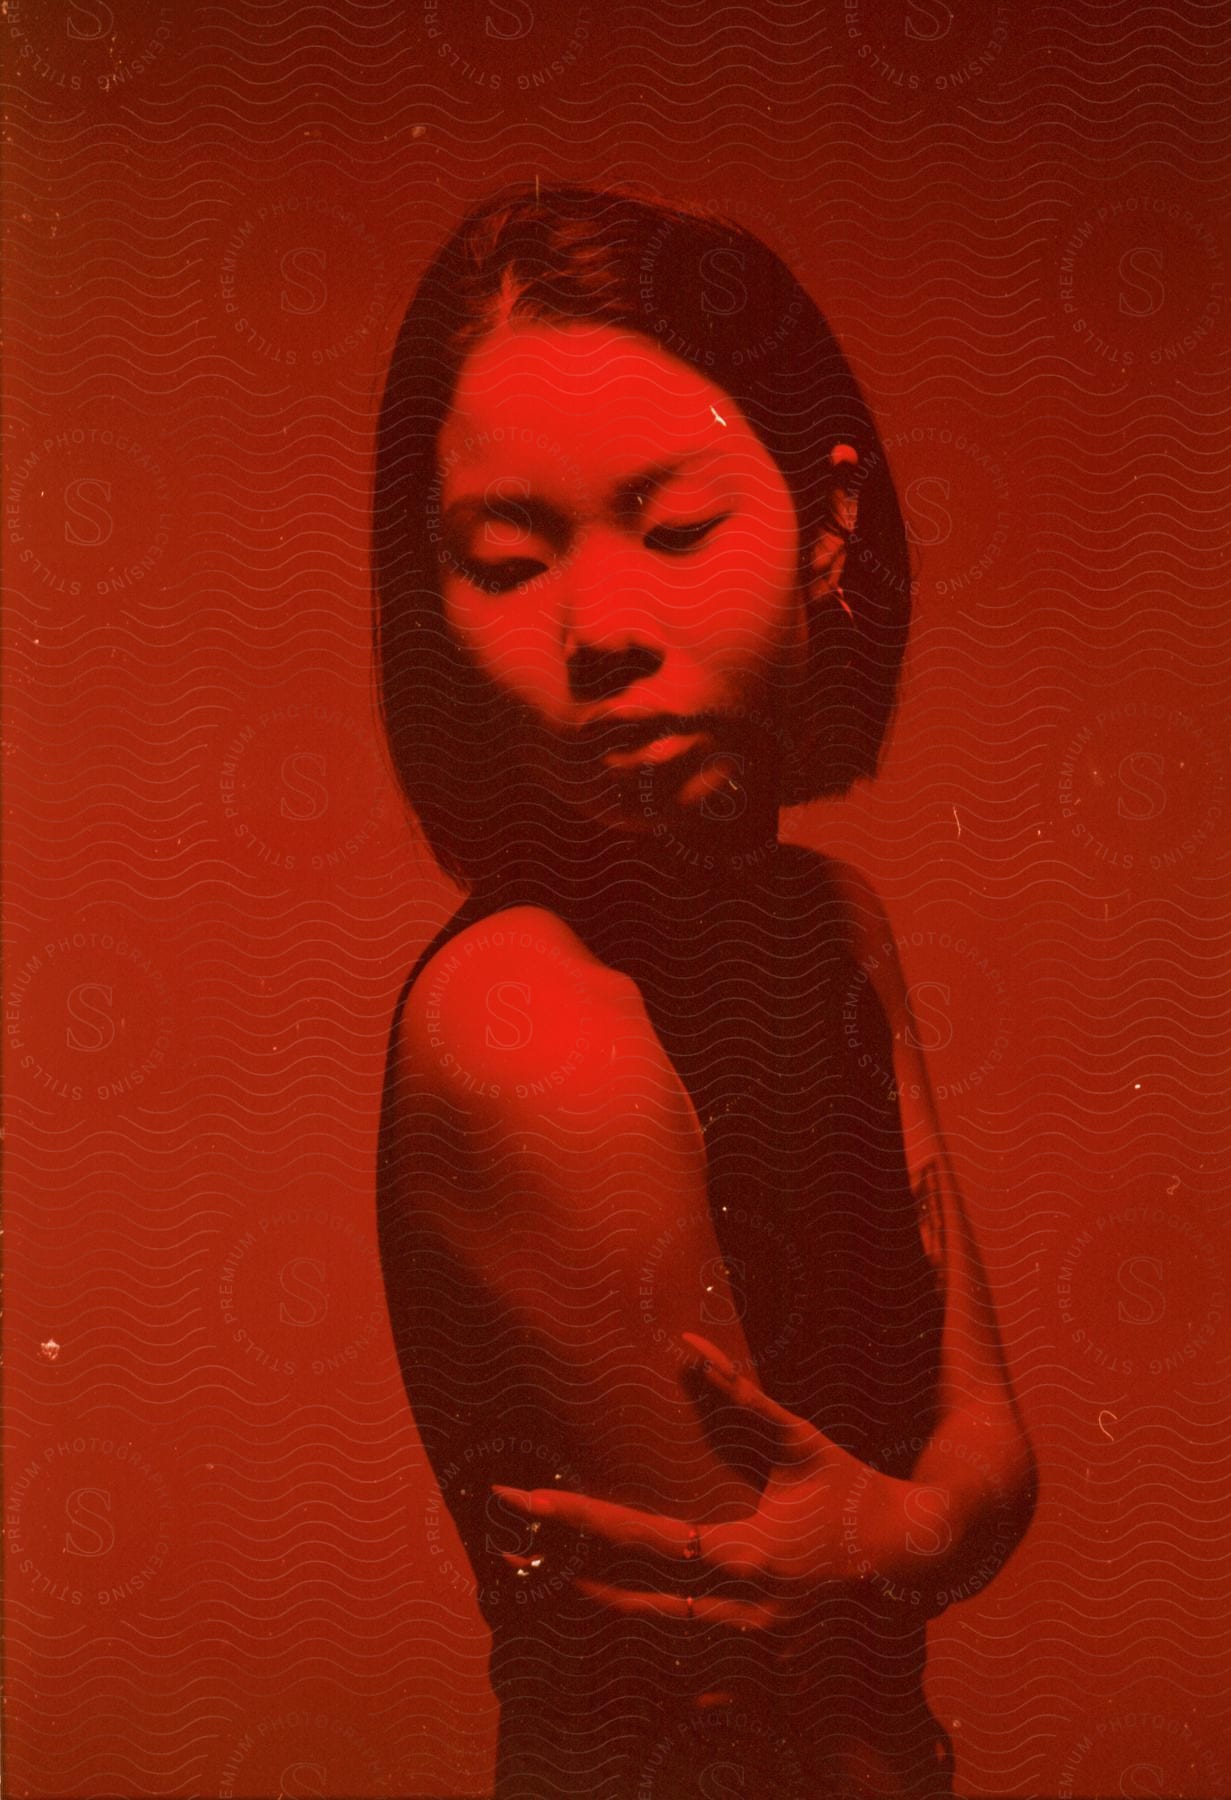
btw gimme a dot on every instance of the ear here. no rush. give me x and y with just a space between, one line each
841 510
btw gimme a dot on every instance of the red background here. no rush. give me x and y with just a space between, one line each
228 1573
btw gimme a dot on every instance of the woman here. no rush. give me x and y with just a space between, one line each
693 1325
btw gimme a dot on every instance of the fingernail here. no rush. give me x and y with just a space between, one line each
515 1496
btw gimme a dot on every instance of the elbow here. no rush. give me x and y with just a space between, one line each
996 1524
1011 1495
1025 1494
1002 1480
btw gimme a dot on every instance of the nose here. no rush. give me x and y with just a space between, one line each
608 621
598 672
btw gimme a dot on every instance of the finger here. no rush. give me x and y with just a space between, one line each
709 1353
798 1436
605 1519
706 1609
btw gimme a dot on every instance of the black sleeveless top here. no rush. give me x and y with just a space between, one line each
788 1061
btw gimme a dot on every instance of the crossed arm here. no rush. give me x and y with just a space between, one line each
715 1547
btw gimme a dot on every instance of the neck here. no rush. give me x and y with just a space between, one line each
633 900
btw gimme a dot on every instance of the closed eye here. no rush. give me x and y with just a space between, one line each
502 577
678 540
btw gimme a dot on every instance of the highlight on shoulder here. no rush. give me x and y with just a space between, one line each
514 1008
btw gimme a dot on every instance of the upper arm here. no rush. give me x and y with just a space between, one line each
975 1369
548 1151
875 949
538 1065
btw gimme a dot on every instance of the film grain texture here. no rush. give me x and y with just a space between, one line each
231 1569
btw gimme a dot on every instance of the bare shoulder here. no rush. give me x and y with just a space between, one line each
867 930
513 1006
862 909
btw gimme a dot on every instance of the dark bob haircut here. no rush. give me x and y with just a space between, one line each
567 254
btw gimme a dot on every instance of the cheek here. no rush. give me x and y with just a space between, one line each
515 644
747 603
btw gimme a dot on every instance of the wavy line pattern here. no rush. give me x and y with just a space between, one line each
232 1568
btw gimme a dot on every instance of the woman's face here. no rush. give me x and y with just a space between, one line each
619 552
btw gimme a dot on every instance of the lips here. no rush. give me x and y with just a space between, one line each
618 740
657 750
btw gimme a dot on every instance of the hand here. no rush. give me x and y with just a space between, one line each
824 1523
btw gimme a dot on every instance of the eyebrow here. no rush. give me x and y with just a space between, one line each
648 481
512 509
550 519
